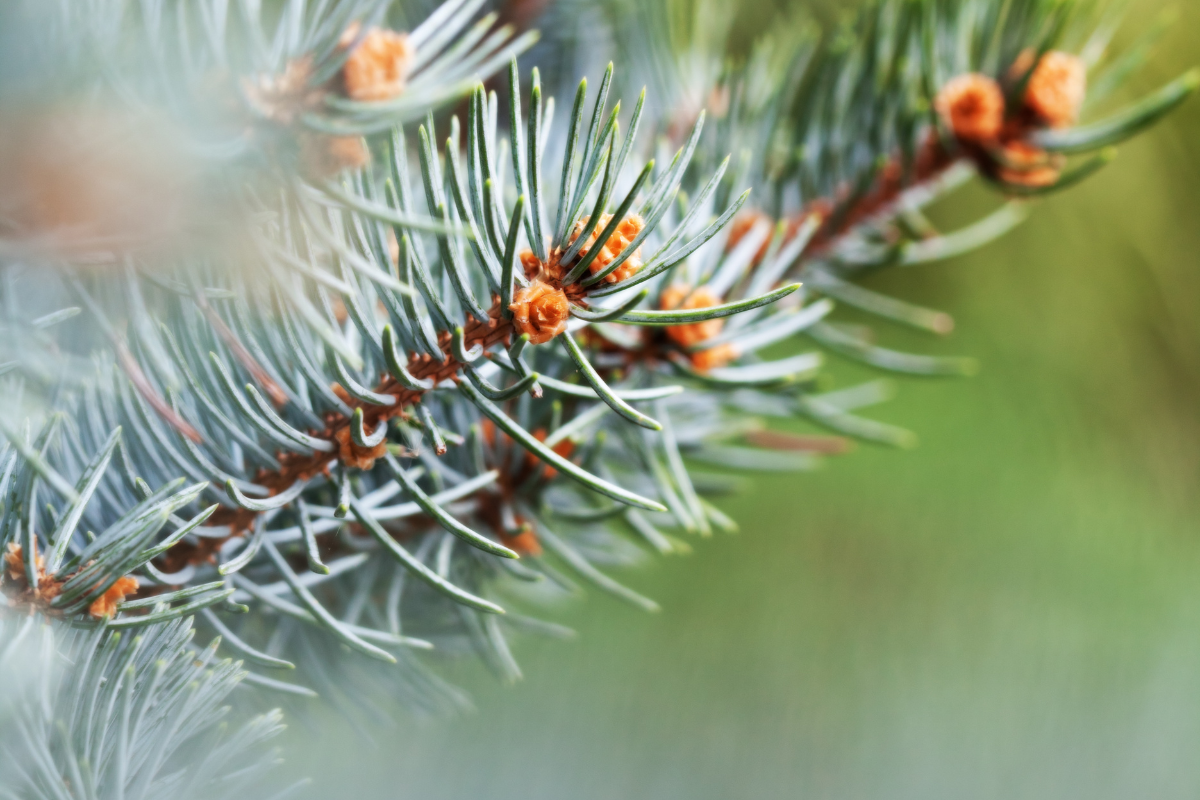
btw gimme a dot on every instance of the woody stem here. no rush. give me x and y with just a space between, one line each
294 467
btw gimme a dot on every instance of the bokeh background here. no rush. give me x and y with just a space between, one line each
1010 610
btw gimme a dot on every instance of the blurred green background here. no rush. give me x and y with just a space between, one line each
1010 610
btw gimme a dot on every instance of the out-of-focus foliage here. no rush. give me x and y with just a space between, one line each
233 446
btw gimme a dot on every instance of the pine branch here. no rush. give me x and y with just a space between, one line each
408 348
344 447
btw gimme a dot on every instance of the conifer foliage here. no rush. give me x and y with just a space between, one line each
332 337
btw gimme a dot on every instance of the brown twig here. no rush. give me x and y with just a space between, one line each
295 467
241 353
140 382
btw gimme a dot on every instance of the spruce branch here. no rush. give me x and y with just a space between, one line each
441 370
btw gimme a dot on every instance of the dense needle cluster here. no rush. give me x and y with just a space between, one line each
973 107
377 65
467 349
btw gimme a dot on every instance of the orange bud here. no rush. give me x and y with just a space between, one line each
377 68
972 106
1026 165
713 357
1056 89
742 224
15 562
563 448
540 310
489 432
621 237
530 263
525 542
284 97
679 296
354 456
106 604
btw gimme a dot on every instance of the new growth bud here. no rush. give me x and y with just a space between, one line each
683 297
624 234
972 106
377 68
541 310
1056 89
